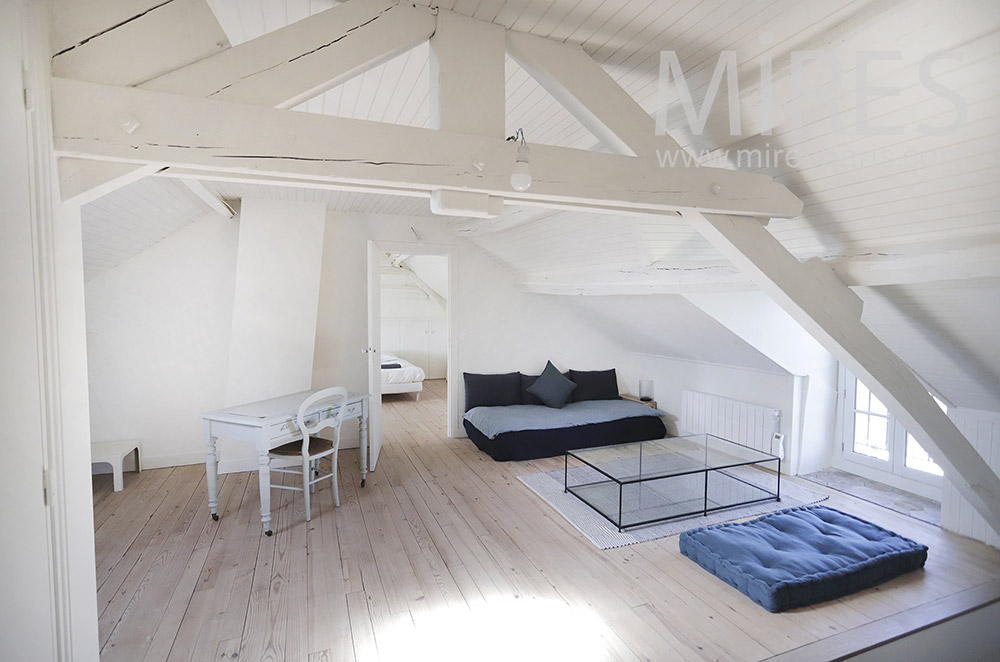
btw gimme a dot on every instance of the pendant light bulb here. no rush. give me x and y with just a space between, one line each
520 178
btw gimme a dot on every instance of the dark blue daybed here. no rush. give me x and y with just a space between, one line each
800 556
508 418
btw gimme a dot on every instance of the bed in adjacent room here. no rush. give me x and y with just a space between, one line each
401 376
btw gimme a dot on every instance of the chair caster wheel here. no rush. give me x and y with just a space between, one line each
215 516
269 533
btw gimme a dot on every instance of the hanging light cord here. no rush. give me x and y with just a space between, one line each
518 137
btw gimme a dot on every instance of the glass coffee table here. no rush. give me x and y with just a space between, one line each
645 482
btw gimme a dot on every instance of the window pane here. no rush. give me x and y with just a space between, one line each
878 407
917 458
861 396
870 436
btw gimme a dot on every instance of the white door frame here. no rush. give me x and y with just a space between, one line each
451 252
61 487
373 352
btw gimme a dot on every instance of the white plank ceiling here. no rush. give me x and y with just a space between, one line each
864 191
126 222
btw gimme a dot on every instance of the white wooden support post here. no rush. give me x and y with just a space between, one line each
467 76
813 295
467 96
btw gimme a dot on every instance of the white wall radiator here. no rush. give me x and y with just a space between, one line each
743 422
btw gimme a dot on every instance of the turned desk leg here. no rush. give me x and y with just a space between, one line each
363 444
264 479
211 471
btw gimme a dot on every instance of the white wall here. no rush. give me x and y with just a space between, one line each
982 429
671 376
278 264
275 301
158 338
810 424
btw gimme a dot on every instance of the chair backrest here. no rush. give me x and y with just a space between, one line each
336 398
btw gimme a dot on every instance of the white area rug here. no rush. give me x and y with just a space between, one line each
601 532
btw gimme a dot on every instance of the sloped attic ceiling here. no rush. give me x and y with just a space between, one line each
667 325
946 332
893 127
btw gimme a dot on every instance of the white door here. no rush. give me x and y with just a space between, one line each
374 354
26 616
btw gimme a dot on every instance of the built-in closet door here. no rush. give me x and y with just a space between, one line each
437 349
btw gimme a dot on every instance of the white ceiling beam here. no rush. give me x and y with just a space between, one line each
214 135
131 46
825 308
586 90
956 260
287 66
655 279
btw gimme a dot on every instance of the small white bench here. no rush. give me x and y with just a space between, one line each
114 453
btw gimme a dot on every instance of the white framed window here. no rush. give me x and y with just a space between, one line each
873 438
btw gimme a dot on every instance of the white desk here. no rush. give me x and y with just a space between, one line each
268 424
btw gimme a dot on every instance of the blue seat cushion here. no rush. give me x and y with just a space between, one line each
801 556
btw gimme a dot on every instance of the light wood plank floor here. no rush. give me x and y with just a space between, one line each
445 555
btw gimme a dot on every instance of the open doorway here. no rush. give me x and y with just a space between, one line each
414 320
416 283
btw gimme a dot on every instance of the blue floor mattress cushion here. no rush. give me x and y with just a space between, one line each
800 556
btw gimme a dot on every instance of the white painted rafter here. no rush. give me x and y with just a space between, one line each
813 295
589 94
126 43
214 203
280 69
423 286
295 63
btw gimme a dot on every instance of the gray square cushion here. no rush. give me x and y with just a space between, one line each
800 556
551 387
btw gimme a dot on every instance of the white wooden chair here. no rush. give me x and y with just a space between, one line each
311 448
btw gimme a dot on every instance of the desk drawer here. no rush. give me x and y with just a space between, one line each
353 410
290 428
